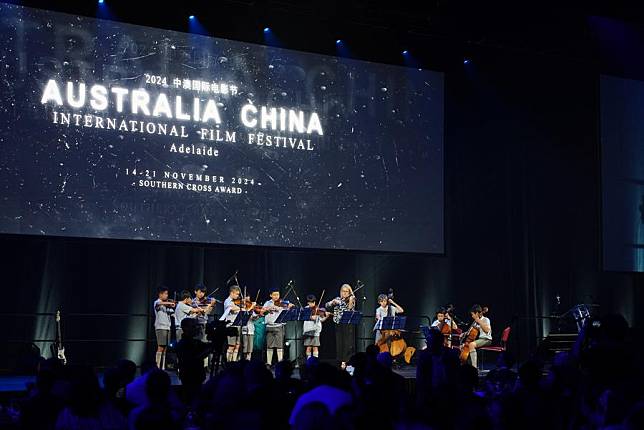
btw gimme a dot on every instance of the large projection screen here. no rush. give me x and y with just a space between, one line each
111 130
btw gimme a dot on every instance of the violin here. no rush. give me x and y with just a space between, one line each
168 303
206 302
277 306
318 311
248 305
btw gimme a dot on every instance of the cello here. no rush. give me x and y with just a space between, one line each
391 341
445 327
470 336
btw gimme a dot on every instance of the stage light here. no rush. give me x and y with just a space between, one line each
339 41
405 52
266 29
101 1
466 61
191 17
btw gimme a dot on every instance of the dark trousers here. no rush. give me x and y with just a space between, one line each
345 341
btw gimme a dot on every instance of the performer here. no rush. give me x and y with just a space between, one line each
387 308
274 331
231 309
184 309
443 317
311 329
345 334
206 307
484 327
248 331
163 308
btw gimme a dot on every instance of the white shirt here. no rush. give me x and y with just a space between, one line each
482 334
162 315
313 326
446 320
270 317
182 311
229 314
249 328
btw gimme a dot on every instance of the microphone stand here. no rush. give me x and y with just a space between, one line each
297 297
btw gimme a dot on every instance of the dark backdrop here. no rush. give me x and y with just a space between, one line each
522 225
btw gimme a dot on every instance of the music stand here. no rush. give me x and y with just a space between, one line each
350 317
304 314
393 323
282 317
241 320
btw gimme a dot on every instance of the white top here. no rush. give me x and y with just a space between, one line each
482 334
313 327
270 317
249 328
229 314
182 311
162 315
447 321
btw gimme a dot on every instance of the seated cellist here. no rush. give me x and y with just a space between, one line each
484 327
443 317
445 324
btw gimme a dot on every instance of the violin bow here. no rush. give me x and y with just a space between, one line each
213 292
318 306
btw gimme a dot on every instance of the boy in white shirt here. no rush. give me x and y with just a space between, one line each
482 323
387 308
311 329
231 309
163 308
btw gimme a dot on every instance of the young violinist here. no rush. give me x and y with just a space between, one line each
345 334
274 331
184 309
387 308
163 308
231 309
482 323
248 331
206 307
311 329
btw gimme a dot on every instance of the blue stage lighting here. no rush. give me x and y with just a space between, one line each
266 29
405 52
191 17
